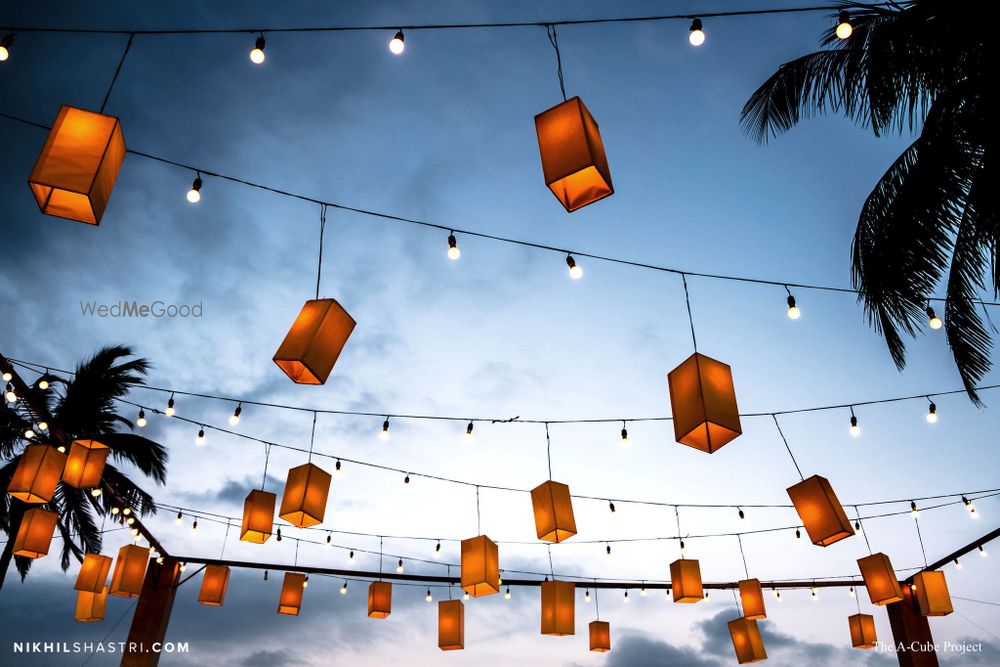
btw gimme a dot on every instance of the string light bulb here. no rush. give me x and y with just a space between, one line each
624 435
141 421
61 449
194 194
305 582
399 566
611 506
850 591
257 55
384 433
844 27
43 426
170 411
43 382
798 536
575 272
982 552
958 565
814 596
969 506
429 597
194 526
278 534
7 376
350 556
608 549
114 511
397 44
96 493
468 431
793 311
234 419
127 511
696 35
9 394
406 480
743 516
182 567
265 575
777 595
130 521
855 430
329 540
200 440
336 468
179 519
437 551
29 433
586 595
642 592
932 413
453 251
506 593
626 597
933 321
914 512
5 45
465 596
343 589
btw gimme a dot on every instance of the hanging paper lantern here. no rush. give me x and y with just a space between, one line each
573 160
821 513
37 474
85 464
480 566
880 579
303 502
90 606
130 570
291 593
558 608
35 533
213 585
78 166
747 641
554 521
379 599
752 599
703 403
600 636
932 593
93 575
862 630
314 342
258 516
685 581
451 625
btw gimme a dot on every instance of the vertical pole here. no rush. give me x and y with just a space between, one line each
149 623
911 633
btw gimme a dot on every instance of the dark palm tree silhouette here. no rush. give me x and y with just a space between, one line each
933 216
83 407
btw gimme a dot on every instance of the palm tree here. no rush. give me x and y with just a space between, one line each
933 216
83 407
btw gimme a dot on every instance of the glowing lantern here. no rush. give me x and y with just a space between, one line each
93 575
314 342
558 608
37 474
130 570
600 636
35 533
752 599
703 403
880 579
480 566
862 630
747 641
213 585
291 593
932 593
90 606
573 160
821 513
258 516
85 464
379 599
451 625
303 502
77 168
685 581
554 521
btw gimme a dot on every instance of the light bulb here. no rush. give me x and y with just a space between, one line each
465 596
5 44
958 566
399 566
437 551
814 596
141 421
855 430
914 512
453 251
194 526
844 27
182 567
180 517
43 384
743 517
611 506
798 536
626 597
114 511
170 411
933 321
468 431
696 36
194 194
506 593
608 550
586 596
7 376
850 591
159 560
624 435
406 480
305 582
350 557
329 539
793 311
343 589
575 272
130 521
932 414
265 575
257 54
642 592
982 552
384 433
235 418
127 511
429 597
96 493
969 506
9 394
336 469
200 440
29 434
396 44
43 426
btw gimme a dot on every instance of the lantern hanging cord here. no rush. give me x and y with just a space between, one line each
226 537
597 602
548 448
479 522
687 300
916 522
267 457
864 532
677 515
550 29
114 79
785 440
736 601
743 555
552 570
296 564
449 582
312 438
322 227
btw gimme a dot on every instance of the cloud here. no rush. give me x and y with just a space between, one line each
642 651
271 659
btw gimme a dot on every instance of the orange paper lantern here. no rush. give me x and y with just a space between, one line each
37 474
85 464
93 576
379 599
130 570
821 513
78 166
303 503
90 606
862 630
573 160
314 342
747 641
553 507
213 585
880 579
932 593
558 608
480 566
685 581
752 599
258 516
703 403
451 625
34 535
600 636
291 593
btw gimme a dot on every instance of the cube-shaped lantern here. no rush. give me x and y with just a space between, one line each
291 593
35 533
752 599
213 585
747 641
85 464
553 507
303 502
931 591
258 516
480 566
451 625
90 606
822 514
880 579
862 630
37 474
558 608
600 636
703 403
573 160
130 570
685 581
379 599
78 166
93 576
314 342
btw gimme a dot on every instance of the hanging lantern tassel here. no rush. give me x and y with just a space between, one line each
553 509
34 536
822 514
862 630
558 608
451 625
685 581
573 160
290 601
931 590
258 516
93 576
213 585
37 474
752 599
880 579
90 606
747 641
600 636
85 464
703 403
480 566
130 570
314 342
379 599
303 502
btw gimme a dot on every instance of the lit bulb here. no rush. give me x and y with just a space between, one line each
453 251
96 493
130 521
183 566
61 449
114 511
234 419
336 469
465 596
180 517
468 431
969 506
437 551
350 557
850 591
586 596
399 566
932 414
506 593
200 440
257 54
194 526
43 384
29 434
697 35
305 582
127 511
793 311
384 433
141 421
642 592
7 376
396 45
429 597
814 596
624 435
5 44
958 566
914 512
982 552
933 321
43 426
9 394
159 560
343 589
575 272
855 430
194 194
844 27
626 597
170 411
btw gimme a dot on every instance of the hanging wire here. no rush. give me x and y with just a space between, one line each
921 539
550 29
597 602
687 300
128 46
785 440
745 568
479 523
548 448
226 537
267 458
322 227
552 570
312 438
736 601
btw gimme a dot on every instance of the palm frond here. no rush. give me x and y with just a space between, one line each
87 407
130 493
